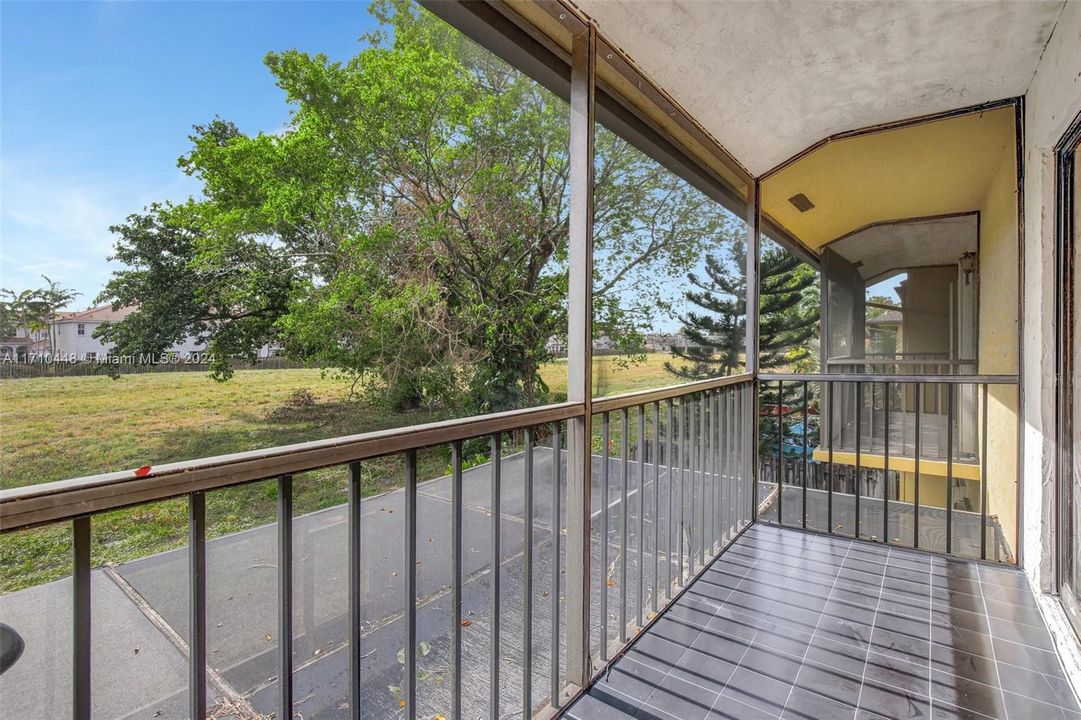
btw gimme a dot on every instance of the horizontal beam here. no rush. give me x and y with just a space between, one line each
66 499
643 397
891 378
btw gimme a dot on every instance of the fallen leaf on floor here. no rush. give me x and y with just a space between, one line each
466 623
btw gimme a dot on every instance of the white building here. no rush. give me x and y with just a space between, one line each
73 333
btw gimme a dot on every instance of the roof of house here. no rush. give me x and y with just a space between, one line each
890 317
96 314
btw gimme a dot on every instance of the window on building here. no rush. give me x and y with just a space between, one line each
81 329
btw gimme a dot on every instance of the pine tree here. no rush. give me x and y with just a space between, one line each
717 328
788 302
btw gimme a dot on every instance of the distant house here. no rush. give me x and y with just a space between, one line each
664 342
556 345
23 344
73 333
884 333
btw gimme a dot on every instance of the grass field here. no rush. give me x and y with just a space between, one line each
58 428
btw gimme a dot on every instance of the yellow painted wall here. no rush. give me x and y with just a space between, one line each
998 345
999 263
934 168
961 164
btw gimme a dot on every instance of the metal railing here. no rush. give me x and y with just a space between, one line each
704 463
865 455
687 461
902 364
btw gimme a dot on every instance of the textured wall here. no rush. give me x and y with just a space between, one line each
1052 101
770 78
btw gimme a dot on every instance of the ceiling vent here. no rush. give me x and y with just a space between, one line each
802 203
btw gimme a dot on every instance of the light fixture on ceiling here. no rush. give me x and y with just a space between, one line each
802 202
968 265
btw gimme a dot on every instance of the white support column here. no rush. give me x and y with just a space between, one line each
753 245
580 355
751 343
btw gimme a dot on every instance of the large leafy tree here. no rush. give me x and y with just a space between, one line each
408 225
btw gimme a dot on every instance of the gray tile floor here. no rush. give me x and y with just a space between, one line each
788 624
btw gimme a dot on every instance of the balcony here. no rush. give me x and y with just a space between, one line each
695 611
810 509
795 625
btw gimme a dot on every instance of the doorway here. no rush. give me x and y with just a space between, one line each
1068 391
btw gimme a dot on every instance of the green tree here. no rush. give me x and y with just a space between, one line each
33 310
716 329
788 320
408 225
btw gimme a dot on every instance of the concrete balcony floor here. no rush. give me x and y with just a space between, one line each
791 624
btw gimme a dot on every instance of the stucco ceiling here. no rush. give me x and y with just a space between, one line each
769 78
881 248
933 168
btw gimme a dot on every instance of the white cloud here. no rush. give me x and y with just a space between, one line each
59 226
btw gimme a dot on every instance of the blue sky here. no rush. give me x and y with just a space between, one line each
97 100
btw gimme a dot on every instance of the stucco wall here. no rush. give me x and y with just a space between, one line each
998 349
1052 101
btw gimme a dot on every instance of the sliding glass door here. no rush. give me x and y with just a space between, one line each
1069 390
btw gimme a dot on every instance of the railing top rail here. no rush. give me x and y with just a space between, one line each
66 499
891 378
644 397
888 360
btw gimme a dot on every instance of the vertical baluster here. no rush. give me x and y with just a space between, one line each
355 585
641 505
409 575
983 477
859 435
285 596
456 505
606 453
803 462
80 584
701 455
829 477
949 468
557 445
916 469
527 585
748 405
757 402
780 452
668 453
683 413
727 508
714 463
494 603
197 605
886 465
624 481
741 430
692 464
656 502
